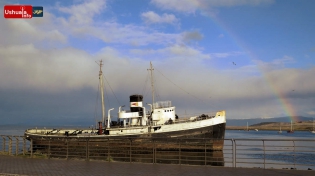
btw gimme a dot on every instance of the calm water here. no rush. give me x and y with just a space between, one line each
282 153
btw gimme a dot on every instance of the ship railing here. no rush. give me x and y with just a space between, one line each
197 117
250 153
162 104
188 116
14 145
274 153
194 118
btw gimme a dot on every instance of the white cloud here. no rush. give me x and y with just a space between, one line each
274 64
178 5
174 53
151 17
191 6
20 31
81 23
82 14
311 112
224 55
217 3
45 70
187 52
284 60
112 32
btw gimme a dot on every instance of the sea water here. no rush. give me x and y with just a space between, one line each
284 150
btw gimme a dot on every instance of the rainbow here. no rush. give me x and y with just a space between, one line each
286 105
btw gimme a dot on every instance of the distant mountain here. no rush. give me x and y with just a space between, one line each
243 122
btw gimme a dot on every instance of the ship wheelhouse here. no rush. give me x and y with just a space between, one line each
163 113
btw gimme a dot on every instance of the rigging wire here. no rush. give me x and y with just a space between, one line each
112 90
106 97
180 87
144 90
156 89
157 95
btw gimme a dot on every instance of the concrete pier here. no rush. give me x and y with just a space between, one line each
11 165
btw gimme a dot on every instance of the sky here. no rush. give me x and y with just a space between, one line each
251 58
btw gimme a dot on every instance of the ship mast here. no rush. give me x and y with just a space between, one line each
152 84
102 91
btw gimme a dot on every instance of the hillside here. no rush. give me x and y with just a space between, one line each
298 126
243 122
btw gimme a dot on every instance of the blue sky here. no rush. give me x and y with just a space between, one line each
253 58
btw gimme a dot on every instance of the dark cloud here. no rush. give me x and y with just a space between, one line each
192 36
34 107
